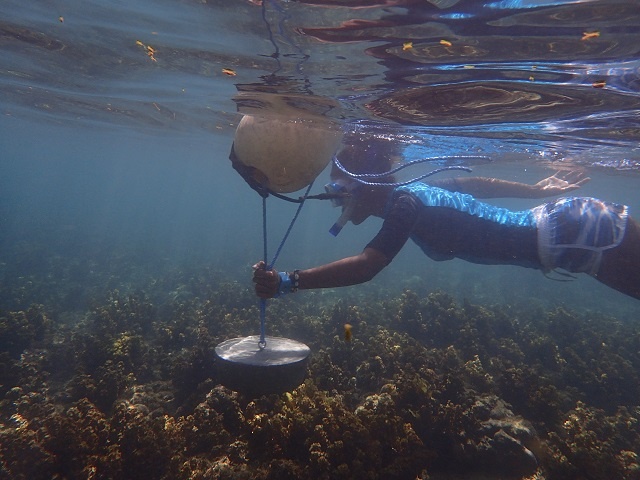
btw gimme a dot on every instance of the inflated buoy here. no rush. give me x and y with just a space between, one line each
290 153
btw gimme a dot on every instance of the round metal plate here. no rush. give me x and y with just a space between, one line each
246 368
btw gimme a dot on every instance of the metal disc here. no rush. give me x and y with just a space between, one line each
248 369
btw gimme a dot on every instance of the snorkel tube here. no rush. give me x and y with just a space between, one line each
340 192
342 221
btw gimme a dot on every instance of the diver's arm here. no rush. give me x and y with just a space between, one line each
486 187
378 253
341 273
347 271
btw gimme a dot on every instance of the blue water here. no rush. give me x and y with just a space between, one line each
111 149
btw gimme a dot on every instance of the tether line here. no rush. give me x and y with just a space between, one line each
263 302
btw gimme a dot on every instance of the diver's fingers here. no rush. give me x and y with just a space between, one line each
269 280
264 292
266 281
582 181
577 177
573 177
573 174
261 275
266 286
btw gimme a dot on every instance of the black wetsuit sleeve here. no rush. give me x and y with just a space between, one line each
398 224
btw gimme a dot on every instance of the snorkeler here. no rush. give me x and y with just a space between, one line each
578 235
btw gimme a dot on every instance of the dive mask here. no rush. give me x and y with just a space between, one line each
340 191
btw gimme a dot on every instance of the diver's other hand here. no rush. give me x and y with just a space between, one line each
267 281
561 182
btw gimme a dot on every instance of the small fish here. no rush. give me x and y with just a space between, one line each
588 35
348 334
599 84
229 71
446 43
407 46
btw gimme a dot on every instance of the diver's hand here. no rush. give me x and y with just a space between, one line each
560 183
267 281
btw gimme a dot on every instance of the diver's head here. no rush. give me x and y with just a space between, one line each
362 154
358 201
368 153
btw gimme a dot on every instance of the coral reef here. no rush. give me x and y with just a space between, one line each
423 387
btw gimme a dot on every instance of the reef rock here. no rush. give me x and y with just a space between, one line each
500 445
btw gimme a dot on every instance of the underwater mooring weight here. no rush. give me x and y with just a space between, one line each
248 369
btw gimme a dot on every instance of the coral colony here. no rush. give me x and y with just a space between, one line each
417 386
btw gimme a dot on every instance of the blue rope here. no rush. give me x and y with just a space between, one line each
263 302
360 178
293 220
